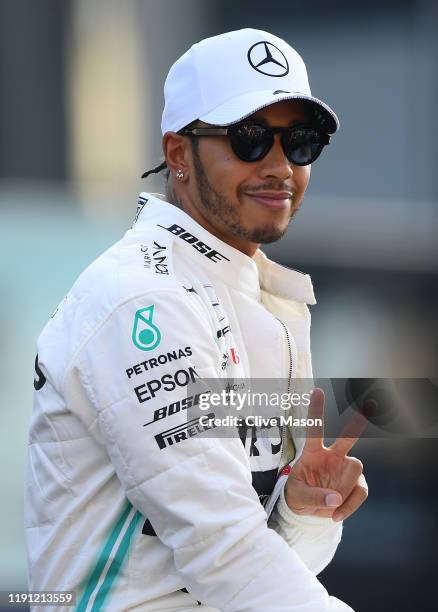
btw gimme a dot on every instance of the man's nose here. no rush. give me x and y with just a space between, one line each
275 163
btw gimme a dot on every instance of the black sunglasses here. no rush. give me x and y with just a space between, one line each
302 144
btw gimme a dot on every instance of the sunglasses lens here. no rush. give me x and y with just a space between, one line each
250 142
302 145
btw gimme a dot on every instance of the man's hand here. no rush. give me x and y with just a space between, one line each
325 482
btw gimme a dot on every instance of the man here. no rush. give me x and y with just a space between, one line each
128 504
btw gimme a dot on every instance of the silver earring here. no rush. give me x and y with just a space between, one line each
179 174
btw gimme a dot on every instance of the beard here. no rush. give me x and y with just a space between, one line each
223 210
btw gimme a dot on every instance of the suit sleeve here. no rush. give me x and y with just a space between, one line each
135 373
313 538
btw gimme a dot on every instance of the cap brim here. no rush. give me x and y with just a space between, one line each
243 106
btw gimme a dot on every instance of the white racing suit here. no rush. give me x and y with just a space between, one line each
126 503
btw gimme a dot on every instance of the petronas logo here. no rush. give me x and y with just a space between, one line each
145 335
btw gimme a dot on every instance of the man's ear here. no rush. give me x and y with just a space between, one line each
176 152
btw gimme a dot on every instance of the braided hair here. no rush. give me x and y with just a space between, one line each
163 164
155 170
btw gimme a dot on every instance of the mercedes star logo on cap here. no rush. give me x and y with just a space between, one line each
268 59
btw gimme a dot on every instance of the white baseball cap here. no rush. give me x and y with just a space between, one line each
224 79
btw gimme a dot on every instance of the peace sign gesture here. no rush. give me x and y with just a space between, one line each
325 481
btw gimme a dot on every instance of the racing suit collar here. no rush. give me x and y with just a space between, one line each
284 282
248 274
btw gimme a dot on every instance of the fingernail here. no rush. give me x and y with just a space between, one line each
332 500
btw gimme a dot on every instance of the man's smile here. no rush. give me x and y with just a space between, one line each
272 199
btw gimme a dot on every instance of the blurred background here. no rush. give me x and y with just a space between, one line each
81 85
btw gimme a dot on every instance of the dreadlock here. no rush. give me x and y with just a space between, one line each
163 164
155 170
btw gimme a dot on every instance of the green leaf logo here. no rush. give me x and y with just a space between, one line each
145 335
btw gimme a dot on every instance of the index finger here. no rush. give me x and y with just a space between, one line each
353 430
315 414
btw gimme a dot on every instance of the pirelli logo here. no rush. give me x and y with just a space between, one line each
182 432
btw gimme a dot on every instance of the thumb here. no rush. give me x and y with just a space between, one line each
300 495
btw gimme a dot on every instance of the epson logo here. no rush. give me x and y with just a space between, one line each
203 248
182 432
168 382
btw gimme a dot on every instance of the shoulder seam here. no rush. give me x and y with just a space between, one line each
175 290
